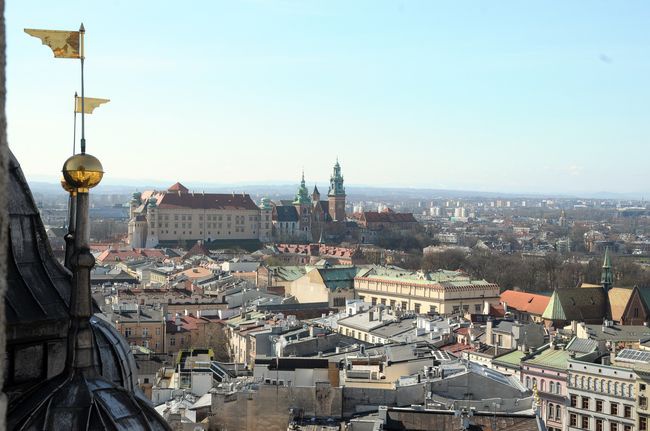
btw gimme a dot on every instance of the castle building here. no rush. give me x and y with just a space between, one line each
308 218
178 215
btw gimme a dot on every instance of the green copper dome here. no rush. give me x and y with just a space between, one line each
302 197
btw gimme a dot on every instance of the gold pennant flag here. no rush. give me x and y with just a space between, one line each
64 44
90 103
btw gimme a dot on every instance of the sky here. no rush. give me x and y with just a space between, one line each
505 96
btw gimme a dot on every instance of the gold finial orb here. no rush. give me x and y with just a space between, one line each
67 187
82 172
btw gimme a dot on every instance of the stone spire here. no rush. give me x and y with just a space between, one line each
607 277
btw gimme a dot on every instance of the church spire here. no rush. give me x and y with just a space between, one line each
607 277
302 196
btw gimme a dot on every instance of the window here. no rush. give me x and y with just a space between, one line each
627 411
339 302
574 398
599 405
599 425
627 427
145 332
392 304
172 341
551 411
573 420
643 402
477 308
585 422
613 426
127 332
404 306
558 413
551 387
383 301
416 306
642 386
373 301
613 409
643 423
585 403
528 382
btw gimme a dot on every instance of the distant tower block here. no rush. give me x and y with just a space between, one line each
336 194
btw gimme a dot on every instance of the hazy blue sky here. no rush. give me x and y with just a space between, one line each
501 95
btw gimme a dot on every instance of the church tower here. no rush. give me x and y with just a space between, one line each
607 277
336 194
315 195
302 202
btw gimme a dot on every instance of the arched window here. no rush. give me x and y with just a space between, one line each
551 387
616 388
558 412
528 382
631 390
551 411
609 387
542 385
589 383
582 381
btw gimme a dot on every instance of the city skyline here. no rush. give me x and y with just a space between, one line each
407 95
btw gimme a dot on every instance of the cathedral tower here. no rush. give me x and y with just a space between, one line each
336 194
302 202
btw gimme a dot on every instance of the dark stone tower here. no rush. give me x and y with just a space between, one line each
607 277
336 194
607 281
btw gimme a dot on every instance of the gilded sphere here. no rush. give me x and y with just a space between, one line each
83 171
67 187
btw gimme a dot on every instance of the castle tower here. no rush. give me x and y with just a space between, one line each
151 234
135 202
336 194
266 224
302 202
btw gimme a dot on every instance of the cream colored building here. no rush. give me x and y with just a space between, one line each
179 215
331 284
442 292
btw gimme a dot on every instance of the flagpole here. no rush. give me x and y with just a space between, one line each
81 52
74 133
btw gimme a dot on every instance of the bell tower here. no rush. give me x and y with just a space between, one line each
336 194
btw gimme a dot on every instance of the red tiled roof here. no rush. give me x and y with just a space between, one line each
497 310
457 347
178 187
462 331
206 201
526 302
113 255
